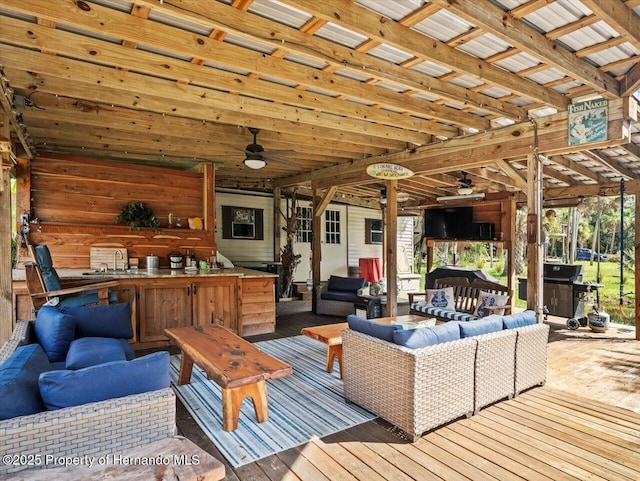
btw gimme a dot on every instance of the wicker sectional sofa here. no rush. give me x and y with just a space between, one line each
421 389
91 429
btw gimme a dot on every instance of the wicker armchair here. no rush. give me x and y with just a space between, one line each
92 429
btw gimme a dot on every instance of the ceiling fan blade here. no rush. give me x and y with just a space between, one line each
284 162
234 147
267 154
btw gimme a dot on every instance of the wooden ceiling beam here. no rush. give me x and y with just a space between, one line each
372 25
577 168
630 82
616 167
619 17
192 101
519 181
572 27
476 150
163 67
516 33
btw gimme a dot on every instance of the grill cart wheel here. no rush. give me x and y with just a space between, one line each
573 324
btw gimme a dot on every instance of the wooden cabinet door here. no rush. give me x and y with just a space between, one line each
216 302
162 306
257 306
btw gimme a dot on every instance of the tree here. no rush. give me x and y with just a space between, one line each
289 258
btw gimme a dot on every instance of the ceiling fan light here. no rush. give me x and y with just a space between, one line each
255 163
465 190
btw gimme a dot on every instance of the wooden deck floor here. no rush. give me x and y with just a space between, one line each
584 424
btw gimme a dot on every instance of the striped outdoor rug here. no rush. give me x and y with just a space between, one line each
307 405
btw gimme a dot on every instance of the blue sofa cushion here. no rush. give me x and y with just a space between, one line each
485 325
113 320
372 328
90 351
519 319
19 389
129 353
427 336
49 274
61 389
55 331
345 284
443 313
340 296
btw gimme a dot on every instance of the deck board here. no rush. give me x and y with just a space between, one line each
583 424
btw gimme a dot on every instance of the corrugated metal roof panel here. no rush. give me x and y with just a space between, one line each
443 26
121 5
566 87
279 12
390 54
431 69
466 81
278 81
547 75
425 96
557 14
587 36
178 22
249 44
340 35
518 62
484 46
390 86
352 74
395 10
304 60
495 92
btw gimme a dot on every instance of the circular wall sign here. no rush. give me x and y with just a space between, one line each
388 171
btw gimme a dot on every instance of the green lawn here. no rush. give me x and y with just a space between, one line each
609 294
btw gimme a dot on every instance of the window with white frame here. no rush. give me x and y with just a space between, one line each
305 219
373 231
332 226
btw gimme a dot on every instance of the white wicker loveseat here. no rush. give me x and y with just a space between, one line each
421 389
92 429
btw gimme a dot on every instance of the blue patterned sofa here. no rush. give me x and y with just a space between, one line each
466 301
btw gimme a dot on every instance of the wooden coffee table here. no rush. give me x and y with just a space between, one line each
331 335
236 365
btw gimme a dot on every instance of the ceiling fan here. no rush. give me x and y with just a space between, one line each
256 157
465 185
400 196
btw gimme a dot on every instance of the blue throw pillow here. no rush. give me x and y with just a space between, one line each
90 351
485 325
427 336
519 319
19 389
61 389
372 328
55 331
109 320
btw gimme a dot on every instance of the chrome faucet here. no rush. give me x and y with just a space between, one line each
115 259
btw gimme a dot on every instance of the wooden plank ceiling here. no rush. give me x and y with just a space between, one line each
179 83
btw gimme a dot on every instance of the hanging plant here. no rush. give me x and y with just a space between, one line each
136 215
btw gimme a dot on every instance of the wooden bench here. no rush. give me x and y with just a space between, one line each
236 365
465 296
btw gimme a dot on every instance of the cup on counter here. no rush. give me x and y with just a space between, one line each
203 265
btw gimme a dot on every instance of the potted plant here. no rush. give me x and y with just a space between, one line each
136 215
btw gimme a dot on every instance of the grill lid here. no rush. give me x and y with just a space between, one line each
563 272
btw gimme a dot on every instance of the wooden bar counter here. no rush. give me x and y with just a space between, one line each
240 299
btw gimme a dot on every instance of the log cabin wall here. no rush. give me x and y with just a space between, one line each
75 201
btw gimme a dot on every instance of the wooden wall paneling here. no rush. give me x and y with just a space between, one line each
76 200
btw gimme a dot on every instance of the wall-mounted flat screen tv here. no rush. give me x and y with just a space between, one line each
449 223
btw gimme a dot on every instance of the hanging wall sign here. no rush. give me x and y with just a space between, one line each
388 171
588 121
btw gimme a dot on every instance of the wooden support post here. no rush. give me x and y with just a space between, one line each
534 235
509 234
316 244
6 299
637 259
277 228
209 200
392 247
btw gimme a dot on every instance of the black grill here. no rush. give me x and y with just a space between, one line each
563 292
